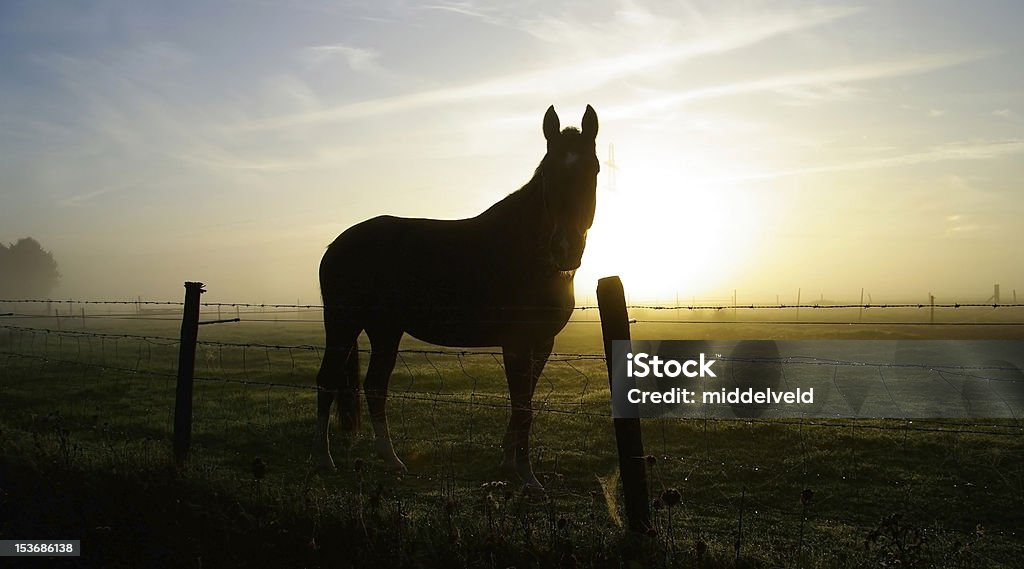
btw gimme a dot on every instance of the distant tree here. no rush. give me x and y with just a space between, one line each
27 270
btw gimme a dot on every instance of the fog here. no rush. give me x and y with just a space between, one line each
763 150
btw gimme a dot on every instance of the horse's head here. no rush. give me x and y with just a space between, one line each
569 185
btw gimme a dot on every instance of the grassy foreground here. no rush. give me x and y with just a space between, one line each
85 454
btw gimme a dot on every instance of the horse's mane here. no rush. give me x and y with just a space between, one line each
524 193
518 197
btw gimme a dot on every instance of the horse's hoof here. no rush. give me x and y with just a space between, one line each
522 473
531 484
395 465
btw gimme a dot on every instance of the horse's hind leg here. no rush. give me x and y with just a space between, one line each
338 378
383 353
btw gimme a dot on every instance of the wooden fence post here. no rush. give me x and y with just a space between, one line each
611 303
186 369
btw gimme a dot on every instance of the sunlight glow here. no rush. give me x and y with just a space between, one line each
665 230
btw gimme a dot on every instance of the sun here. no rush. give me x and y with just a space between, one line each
669 233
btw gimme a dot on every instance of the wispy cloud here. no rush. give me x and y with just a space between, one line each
988 150
810 95
786 83
580 76
468 9
80 199
320 157
959 224
1006 114
356 58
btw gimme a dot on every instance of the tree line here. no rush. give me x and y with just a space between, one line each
27 270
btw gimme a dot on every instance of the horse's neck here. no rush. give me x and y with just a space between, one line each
519 208
515 226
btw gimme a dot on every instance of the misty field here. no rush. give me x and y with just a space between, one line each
86 455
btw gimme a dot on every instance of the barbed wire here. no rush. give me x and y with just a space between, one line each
175 318
820 323
76 301
554 356
692 306
1014 431
568 356
438 397
822 306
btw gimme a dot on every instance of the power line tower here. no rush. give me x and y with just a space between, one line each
995 295
610 168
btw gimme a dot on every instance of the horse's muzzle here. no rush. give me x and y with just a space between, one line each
566 249
571 265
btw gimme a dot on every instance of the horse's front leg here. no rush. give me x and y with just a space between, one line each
523 366
384 352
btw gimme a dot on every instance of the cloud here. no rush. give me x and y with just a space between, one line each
1006 114
468 9
959 225
809 95
786 83
80 199
988 150
316 158
358 59
962 229
580 76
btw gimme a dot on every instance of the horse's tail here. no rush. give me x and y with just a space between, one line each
349 418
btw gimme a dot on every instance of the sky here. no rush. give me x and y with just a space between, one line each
761 147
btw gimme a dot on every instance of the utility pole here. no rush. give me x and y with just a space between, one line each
611 167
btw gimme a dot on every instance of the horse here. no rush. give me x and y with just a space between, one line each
502 279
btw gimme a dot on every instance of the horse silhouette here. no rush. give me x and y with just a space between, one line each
501 279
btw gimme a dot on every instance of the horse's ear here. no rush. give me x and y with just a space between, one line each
551 124
589 123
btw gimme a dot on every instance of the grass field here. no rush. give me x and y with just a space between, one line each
86 455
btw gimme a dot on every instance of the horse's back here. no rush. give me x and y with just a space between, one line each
446 282
388 245
387 259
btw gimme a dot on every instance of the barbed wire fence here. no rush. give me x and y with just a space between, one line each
427 389
419 376
453 402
